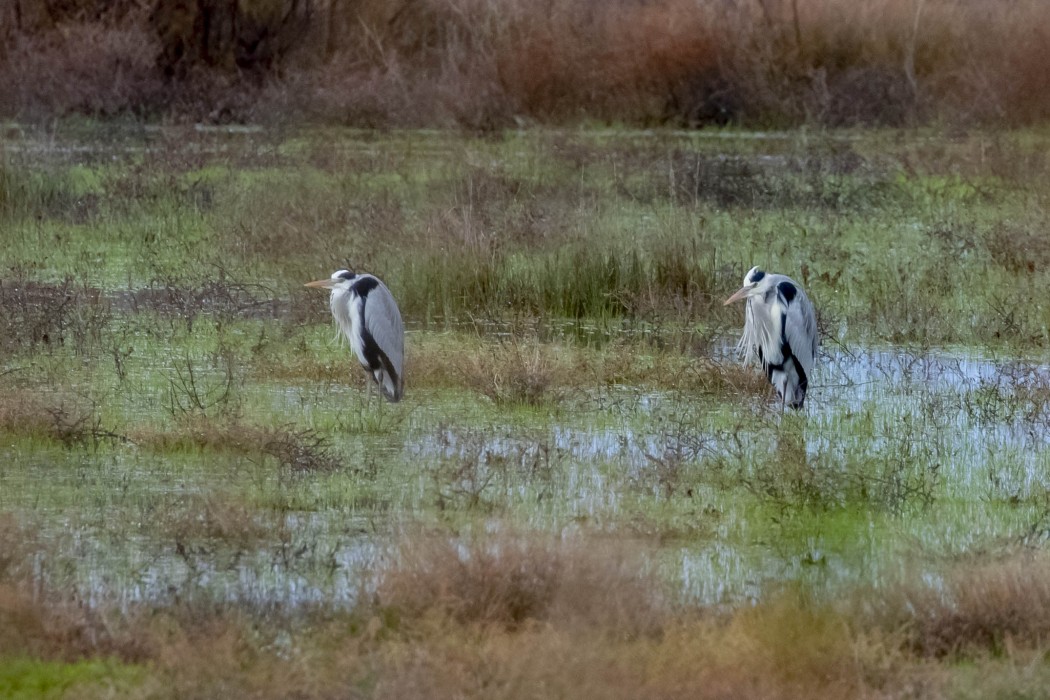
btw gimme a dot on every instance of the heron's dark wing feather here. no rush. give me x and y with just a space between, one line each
383 321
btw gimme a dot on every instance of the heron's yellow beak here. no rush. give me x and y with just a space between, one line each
738 295
324 284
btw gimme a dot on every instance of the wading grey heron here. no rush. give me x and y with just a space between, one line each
368 316
780 331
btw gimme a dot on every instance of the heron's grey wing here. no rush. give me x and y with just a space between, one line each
800 331
383 320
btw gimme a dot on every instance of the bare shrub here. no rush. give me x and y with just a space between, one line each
676 443
34 314
507 580
203 393
93 67
463 480
251 36
515 372
70 420
975 607
301 451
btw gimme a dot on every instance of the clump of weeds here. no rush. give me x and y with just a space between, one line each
199 521
469 476
508 579
295 450
672 451
517 372
36 315
1017 392
975 607
204 393
72 421
300 451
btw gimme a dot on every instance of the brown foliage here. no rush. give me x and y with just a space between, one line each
509 615
978 607
485 63
509 580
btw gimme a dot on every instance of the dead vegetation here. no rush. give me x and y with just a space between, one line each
509 580
70 420
976 607
295 450
35 316
501 614
484 64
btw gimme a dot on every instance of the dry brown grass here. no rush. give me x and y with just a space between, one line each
511 615
523 370
485 63
66 418
293 449
977 608
510 580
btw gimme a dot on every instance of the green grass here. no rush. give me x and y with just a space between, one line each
29 679
186 448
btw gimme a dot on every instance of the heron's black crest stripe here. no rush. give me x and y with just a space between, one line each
363 286
346 274
757 275
788 291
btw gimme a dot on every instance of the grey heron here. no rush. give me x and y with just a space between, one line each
368 316
780 329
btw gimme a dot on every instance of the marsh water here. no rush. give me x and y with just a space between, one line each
971 424
904 455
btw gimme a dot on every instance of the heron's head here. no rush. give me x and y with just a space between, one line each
752 286
340 279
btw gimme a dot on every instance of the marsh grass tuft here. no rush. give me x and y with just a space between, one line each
214 518
508 580
977 607
72 421
294 449
516 372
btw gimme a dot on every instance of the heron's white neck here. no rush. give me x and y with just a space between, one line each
340 303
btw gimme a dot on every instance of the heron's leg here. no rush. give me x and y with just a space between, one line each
368 390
